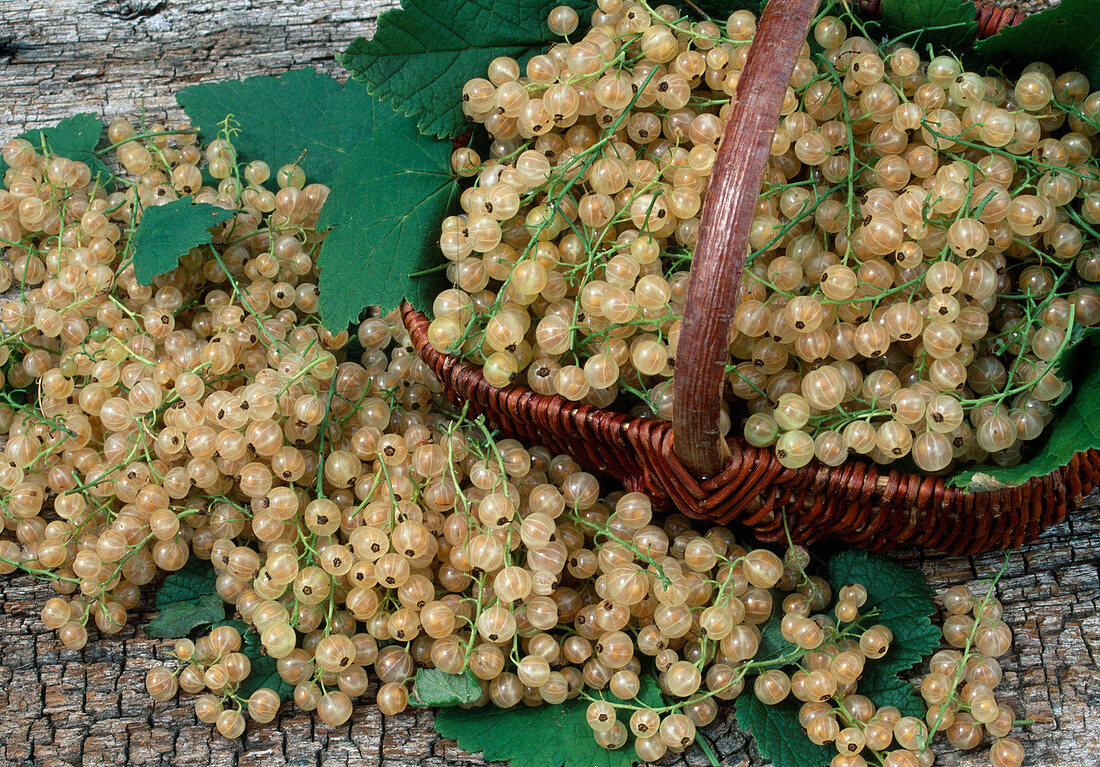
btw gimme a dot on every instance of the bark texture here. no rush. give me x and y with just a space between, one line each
60 707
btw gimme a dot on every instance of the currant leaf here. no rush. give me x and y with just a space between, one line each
75 138
186 599
903 602
902 598
778 735
302 116
383 214
265 669
167 232
390 186
545 736
886 688
425 51
942 23
772 644
433 687
1066 36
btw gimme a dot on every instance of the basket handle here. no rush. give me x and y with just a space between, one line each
723 235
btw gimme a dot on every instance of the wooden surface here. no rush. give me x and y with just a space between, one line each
112 57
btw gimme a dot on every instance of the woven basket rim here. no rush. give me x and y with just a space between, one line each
856 503
416 321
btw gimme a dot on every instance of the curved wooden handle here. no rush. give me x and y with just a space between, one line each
723 236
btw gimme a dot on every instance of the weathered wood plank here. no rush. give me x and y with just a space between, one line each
117 57
62 707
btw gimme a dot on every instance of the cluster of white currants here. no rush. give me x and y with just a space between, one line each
922 251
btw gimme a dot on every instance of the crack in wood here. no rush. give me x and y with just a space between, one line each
129 10
9 48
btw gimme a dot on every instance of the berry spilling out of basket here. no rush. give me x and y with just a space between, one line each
922 257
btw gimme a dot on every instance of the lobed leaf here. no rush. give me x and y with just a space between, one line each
302 116
389 186
433 687
545 736
425 51
265 670
383 214
167 232
886 688
772 644
186 599
904 604
1066 36
778 734
75 138
941 23
903 599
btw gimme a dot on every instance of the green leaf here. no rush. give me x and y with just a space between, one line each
433 687
886 688
1066 36
778 735
384 212
904 602
772 644
545 736
166 232
186 598
390 186
943 23
74 137
905 605
302 115
265 672
177 619
1074 429
425 51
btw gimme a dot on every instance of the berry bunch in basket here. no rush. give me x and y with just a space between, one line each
922 257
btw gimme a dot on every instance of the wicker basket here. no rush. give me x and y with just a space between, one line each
685 463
